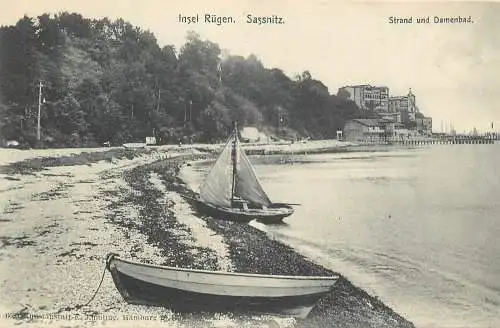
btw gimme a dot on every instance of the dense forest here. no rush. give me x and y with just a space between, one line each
108 81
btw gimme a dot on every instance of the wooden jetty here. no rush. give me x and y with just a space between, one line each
441 140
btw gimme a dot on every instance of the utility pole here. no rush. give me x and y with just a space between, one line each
190 105
38 134
159 97
185 114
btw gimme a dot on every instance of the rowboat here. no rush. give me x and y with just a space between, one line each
232 191
189 290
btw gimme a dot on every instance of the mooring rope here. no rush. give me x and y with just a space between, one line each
79 306
97 290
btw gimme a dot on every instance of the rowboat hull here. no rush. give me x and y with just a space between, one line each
274 214
184 290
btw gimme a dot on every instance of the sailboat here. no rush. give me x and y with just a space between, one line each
232 191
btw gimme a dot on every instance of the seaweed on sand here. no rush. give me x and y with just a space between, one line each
157 222
18 242
31 165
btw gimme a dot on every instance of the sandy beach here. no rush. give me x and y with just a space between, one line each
60 218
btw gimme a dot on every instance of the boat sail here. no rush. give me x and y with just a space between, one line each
217 187
232 189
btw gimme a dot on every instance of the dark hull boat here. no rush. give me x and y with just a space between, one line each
232 191
275 213
186 290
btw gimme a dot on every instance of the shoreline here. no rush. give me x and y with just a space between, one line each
42 157
140 203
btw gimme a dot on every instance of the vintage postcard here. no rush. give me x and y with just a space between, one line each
249 164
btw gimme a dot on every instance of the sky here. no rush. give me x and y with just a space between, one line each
453 69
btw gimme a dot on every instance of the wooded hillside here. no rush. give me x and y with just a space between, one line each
110 81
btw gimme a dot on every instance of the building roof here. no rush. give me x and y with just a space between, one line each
355 86
367 121
365 85
372 121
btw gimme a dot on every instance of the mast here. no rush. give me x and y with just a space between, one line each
233 160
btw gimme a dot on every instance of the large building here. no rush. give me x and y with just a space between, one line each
396 117
406 105
401 111
367 97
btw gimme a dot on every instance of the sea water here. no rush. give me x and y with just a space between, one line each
418 228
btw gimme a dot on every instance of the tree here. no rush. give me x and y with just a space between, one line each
343 94
19 62
110 81
198 69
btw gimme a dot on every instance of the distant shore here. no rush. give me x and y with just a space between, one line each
75 156
252 148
